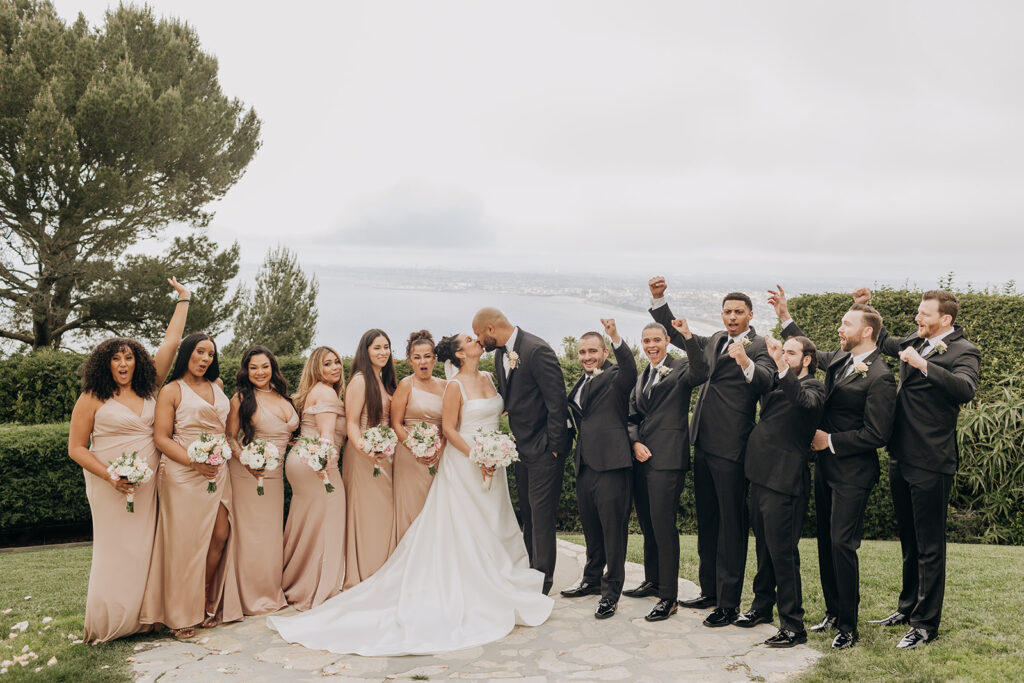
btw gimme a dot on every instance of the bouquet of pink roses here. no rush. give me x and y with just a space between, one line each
210 449
424 442
492 449
380 442
133 469
262 456
316 452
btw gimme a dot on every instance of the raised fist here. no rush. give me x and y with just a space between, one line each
658 286
861 295
739 354
610 329
682 327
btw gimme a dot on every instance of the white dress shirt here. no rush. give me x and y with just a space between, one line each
849 371
509 345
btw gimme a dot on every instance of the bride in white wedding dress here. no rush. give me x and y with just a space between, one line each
460 577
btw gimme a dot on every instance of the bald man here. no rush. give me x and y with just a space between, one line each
531 382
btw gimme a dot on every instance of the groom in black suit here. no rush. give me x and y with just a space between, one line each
740 370
599 405
531 382
938 373
658 408
860 398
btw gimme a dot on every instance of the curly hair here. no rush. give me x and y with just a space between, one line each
447 348
98 380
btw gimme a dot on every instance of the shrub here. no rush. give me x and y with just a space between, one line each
39 387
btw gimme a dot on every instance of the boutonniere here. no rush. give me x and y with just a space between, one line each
862 368
513 360
940 347
596 372
746 342
664 370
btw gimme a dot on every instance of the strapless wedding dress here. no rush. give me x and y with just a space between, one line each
459 578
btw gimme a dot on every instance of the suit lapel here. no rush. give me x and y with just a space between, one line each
499 368
870 360
588 387
515 349
833 370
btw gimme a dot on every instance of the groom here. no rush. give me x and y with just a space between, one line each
531 382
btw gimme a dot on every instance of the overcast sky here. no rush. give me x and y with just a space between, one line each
881 138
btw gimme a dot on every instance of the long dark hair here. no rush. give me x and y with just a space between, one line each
246 391
374 405
98 380
188 345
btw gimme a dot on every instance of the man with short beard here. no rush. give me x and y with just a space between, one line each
739 371
938 373
599 405
658 407
780 486
530 380
860 397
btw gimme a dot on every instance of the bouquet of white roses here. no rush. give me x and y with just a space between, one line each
424 442
210 449
262 456
380 441
316 452
492 449
133 469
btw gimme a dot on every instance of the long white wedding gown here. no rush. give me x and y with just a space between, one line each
459 578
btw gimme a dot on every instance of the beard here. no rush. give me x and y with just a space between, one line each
489 343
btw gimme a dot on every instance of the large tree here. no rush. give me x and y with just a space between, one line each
107 135
280 312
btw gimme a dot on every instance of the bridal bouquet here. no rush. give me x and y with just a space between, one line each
260 455
210 449
131 467
380 441
315 452
492 449
424 442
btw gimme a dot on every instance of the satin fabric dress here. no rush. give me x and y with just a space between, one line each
259 520
459 578
314 536
413 478
176 589
370 530
122 541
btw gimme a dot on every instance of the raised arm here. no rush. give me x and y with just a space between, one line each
661 313
697 365
172 336
626 376
777 298
808 396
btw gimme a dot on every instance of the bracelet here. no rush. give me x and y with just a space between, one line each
182 301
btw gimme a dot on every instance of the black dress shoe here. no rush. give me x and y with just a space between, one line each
699 602
827 624
585 588
722 616
605 609
662 611
786 638
844 640
752 618
915 637
897 618
644 590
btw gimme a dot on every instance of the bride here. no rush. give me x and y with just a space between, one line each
460 577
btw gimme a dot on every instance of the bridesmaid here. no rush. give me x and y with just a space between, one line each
417 399
260 409
314 537
370 535
192 578
114 415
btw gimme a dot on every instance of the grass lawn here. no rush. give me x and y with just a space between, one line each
981 639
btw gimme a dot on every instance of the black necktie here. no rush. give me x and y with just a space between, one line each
650 380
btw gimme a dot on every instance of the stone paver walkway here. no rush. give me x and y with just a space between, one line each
571 646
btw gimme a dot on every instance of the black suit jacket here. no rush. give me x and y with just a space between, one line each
727 403
602 436
927 408
858 414
660 422
780 444
534 394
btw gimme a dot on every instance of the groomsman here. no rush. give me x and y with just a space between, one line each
599 405
938 373
658 407
780 486
740 370
531 382
860 397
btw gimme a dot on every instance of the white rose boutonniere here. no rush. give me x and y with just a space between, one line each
862 368
596 372
664 370
513 360
746 342
940 347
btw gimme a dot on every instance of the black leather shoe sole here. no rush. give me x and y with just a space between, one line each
699 603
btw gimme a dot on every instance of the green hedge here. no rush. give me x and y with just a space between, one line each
39 387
